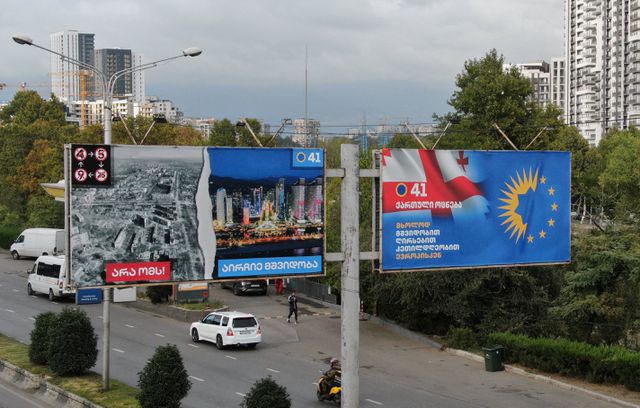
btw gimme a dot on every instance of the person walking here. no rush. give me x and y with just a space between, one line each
293 307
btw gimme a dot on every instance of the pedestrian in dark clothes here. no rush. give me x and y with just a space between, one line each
293 307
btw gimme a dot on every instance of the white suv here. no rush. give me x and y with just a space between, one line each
227 328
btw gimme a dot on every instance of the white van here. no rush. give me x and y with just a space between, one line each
34 242
48 276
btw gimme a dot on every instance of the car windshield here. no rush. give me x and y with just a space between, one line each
240 322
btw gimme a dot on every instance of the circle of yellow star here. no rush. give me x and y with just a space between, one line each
530 238
551 191
551 222
542 234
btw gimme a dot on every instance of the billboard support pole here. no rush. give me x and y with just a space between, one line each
106 300
350 276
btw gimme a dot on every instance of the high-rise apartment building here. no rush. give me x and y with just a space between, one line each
547 80
65 76
602 46
112 60
306 132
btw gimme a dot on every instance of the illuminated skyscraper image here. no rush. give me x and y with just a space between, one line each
298 200
314 201
281 204
221 206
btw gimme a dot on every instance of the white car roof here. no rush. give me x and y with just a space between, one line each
233 314
52 259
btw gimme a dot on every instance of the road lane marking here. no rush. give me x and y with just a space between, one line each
231 357
272 370
130 326
55 303
194 346
99 317
374 402
159 335
15 290
118 350
241 394
32 318
196 378
10 311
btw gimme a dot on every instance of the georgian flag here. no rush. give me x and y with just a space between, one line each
430 180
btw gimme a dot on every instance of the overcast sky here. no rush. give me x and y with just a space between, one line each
386 60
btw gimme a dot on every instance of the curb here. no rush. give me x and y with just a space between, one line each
508 368
46 391
538 377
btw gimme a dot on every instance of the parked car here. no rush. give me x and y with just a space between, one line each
227 329
246 286
34 242
48 276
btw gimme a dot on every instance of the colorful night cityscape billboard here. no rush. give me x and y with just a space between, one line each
463 209
179 214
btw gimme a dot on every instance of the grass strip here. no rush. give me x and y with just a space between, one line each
89 385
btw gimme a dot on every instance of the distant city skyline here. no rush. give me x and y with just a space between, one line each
379 62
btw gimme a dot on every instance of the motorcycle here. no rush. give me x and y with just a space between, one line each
334 394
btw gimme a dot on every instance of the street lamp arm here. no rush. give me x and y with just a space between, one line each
22 40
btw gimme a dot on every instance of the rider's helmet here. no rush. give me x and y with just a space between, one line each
334 362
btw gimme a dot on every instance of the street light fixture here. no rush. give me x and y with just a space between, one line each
108 84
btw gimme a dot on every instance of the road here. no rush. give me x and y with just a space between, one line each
395 371
11 397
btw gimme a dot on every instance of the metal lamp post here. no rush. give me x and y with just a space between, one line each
107 85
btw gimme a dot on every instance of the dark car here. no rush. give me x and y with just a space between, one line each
246 286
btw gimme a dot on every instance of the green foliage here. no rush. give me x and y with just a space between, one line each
599 364
163 382
39 346
463 338
42 210
620 176
266 393
599 302
223 134
8 235
159 293
484 300
28 107
72 343
487 94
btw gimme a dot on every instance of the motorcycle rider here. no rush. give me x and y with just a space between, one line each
330 375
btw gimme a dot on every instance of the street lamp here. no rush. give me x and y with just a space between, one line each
108 84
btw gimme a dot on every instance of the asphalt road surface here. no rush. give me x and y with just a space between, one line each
394 371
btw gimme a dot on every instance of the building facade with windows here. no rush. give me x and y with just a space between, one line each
602 82
65 76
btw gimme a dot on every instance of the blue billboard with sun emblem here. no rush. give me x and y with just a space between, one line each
463 208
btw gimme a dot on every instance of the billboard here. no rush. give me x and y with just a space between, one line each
180 214
461 209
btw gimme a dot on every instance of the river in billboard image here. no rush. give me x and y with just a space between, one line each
268 211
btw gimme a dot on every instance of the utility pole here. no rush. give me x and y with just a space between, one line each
350 276
306 113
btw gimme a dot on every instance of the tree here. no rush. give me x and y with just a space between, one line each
163 382
488 94
72 343
28 107
223 134
266 393
599 302
620 177
39 346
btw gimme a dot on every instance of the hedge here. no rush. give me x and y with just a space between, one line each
598 364
8 235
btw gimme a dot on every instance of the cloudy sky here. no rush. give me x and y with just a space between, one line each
383 60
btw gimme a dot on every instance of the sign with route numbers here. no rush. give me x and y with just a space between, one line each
187 214
465 209
90 165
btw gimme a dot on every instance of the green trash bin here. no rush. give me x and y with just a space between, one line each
493 357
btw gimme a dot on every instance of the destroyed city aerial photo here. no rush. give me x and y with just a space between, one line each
184 206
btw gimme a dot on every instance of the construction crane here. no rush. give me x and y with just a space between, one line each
23 86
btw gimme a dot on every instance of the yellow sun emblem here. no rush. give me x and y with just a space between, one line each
517 188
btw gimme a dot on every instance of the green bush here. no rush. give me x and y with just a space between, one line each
463 338
266 393
164 381
72 343
39 347
159 293
8 235
599 364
